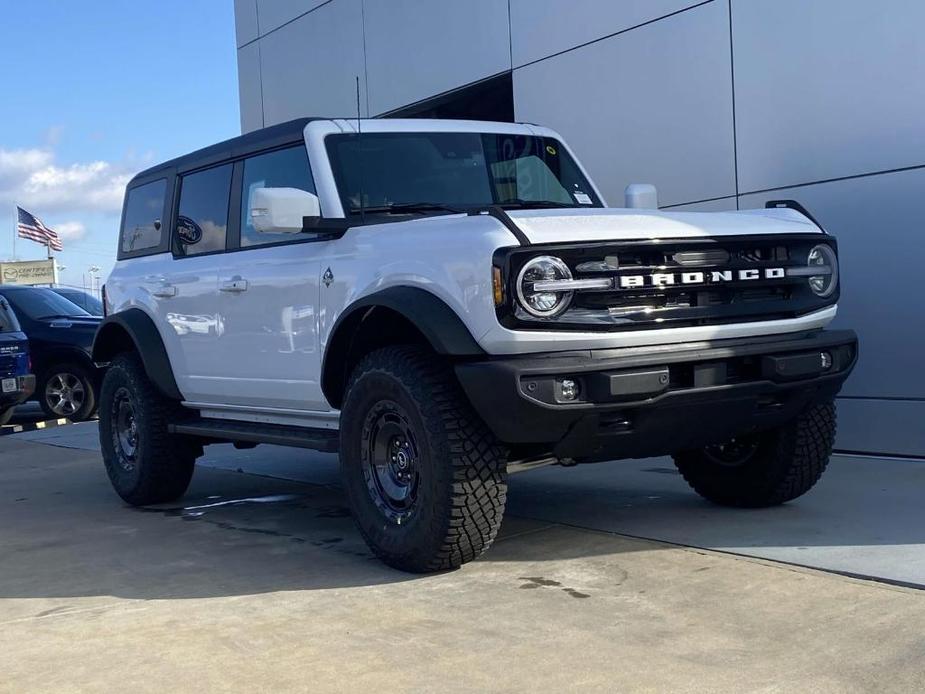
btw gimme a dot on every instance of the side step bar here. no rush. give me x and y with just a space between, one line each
324 440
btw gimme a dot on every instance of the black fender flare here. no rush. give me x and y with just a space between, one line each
134 329
437 322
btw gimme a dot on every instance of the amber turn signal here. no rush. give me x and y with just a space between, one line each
497 285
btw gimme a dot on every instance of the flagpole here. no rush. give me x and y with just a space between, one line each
15 229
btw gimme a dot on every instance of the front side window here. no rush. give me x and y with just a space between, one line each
202 217
144 207
285 168
392 171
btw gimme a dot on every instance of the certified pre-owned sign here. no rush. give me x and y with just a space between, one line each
27 272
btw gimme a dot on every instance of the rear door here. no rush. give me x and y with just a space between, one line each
185 289
269 287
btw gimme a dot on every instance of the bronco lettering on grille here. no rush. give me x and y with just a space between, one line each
664 279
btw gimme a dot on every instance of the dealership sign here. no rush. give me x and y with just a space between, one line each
27 272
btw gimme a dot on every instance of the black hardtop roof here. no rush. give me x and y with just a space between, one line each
275 135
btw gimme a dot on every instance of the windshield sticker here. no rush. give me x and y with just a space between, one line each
551 150
582 198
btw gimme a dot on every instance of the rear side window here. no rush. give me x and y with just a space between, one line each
285 168
144 206
202 217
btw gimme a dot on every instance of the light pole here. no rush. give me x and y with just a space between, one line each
94 271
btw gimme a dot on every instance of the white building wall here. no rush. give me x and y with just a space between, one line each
721 103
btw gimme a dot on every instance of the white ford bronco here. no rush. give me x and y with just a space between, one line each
440 301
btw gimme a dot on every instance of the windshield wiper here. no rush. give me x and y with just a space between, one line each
536 204
409 207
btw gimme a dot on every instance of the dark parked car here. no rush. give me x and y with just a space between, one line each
60 337
16 383
87 302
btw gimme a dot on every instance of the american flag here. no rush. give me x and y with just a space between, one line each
31 227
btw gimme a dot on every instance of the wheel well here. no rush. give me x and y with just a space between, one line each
111 340
133 330
61 355
363 331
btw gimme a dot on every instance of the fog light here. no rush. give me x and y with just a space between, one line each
826 360
569 389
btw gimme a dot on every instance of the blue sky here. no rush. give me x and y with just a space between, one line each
94 92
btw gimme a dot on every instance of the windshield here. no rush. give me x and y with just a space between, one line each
43 303
454 171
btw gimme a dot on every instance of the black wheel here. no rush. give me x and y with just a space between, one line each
67 390
765 469
6 415
425 477
145 463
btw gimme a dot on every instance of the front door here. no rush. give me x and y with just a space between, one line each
269 291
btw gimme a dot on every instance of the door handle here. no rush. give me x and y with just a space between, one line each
234 285
165 291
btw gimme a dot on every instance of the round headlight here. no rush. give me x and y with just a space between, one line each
544 303
823 284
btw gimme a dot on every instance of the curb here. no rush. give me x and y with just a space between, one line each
8 429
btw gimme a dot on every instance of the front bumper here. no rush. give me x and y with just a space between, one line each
25 387
646 401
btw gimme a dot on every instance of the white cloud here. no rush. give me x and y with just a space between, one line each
70 231
32 179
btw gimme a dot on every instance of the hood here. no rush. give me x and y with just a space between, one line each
565 225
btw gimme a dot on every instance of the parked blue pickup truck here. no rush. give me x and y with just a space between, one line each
16 383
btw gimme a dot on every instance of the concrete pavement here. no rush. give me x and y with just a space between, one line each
261 584
865 517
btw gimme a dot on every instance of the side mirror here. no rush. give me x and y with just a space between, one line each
641 196
282 210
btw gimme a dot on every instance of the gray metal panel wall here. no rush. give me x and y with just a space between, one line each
418 48
245 23
309 66
272 14
541 28
249 87
827 88
644 90
653 104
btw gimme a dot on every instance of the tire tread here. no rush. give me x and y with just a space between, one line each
478 461
168 459
794 461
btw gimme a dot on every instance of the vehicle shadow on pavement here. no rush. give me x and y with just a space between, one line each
64 533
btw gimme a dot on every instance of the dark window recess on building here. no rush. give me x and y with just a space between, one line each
491 99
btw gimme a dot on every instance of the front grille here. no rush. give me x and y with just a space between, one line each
634 301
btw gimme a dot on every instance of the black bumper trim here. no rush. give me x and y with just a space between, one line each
714 391
25 387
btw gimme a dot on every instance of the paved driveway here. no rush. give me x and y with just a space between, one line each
866 517
260 583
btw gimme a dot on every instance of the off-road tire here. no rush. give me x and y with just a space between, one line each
462 471
786 463
6 415
80 372
163 464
